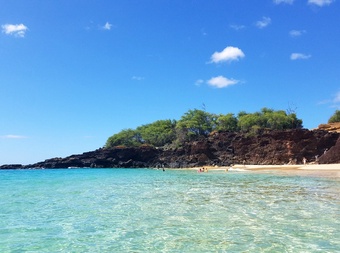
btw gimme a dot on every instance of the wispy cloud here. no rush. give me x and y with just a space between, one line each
15 30
299 56
221 82
237 27
199 82
12 136
321 2
264 22
107 26
203 32
227 55
334 102
297 33
283 1
138 78
95 26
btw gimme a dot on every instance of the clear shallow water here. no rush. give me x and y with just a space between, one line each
117 210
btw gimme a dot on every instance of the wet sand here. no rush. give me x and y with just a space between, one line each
322 170
318 170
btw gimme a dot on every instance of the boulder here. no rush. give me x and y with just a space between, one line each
332 155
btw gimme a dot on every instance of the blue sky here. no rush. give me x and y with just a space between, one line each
72 73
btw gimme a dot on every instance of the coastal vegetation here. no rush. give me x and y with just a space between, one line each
197 123
335 117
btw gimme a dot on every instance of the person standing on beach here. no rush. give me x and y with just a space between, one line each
304 160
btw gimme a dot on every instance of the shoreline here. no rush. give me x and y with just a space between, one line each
319 170
292 167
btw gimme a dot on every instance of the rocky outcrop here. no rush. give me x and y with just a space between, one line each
120 157
271 147
11 166
332 155
219 148
330 127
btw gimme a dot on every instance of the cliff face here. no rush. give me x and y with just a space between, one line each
104 158
332 155
274 147
221 149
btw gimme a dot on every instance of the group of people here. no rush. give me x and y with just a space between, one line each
162 166
316 157
202 170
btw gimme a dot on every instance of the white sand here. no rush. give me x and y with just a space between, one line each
322 170
318 170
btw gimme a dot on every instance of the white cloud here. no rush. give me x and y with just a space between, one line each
296 33
137 78
227 54
334 102
12 136
95 26
15 30
320 2
107 26
237 27
263 23
199 82
283 1
221 82
299 56
336 99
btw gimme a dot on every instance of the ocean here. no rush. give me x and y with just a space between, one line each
145 210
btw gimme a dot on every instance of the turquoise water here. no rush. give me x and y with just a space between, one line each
117 210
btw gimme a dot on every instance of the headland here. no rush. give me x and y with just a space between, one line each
273 149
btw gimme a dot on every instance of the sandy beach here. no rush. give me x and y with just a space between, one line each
319 170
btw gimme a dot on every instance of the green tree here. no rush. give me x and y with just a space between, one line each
247 121
275 119
158 133
197 123
227 122
241 113
270 119
126 137
335 117
266 110
294 122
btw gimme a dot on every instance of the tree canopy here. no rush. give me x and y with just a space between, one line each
196 123
126 137
335 117
158 133
270 119
227 122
